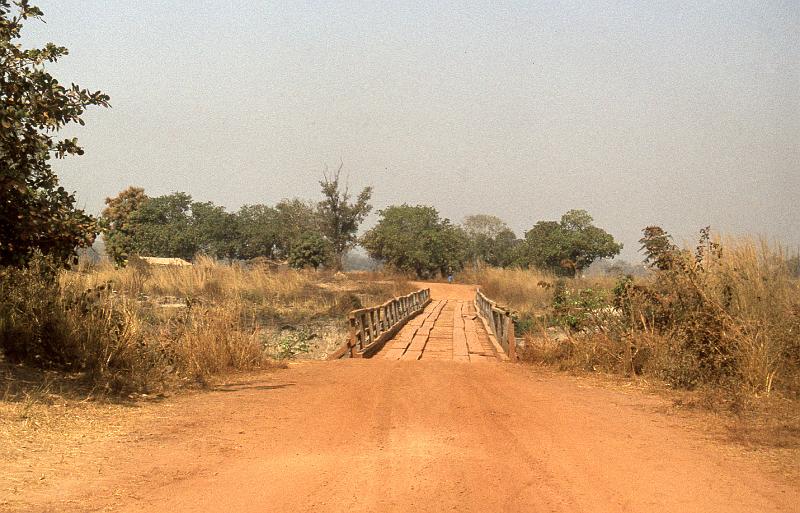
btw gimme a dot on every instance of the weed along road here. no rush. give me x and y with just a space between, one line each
387 434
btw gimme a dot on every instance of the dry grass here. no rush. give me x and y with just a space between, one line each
144 329
529 290
523 290
722 324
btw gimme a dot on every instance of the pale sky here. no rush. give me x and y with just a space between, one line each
681 114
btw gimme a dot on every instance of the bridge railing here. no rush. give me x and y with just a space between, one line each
371 327
499 321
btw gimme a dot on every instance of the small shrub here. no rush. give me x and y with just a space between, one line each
723 317
293 343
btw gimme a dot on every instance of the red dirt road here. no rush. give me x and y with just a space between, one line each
413 436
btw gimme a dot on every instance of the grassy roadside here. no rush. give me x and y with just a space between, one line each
143 329
716 330
80 348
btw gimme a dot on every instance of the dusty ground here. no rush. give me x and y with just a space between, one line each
382 435
378 435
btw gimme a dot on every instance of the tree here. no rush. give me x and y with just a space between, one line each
216 231
415 238
659 251
35 212
116 222
295 219
340 218
311 250
258 231
490 240
503 249
567 247
162 227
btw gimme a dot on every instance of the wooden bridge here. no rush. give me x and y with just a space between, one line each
420 327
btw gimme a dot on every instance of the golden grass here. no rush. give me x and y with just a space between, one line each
522 290
145 328
726 319
530 291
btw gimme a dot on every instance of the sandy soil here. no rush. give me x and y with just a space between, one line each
409 436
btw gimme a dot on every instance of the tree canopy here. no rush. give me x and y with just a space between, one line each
568 246
162 226
36 213
415 238
174 225
491 241
339 216
116 222
311 250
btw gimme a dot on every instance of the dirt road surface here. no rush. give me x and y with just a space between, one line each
413 436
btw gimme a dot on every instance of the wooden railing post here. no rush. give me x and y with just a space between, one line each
500 322
512 340
363 319
370 326
353 336
371 330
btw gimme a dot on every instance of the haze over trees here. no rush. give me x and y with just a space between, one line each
417 239
491 241
36 213
304 233
568 246
339 216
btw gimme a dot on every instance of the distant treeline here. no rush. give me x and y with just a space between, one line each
304 233
313 234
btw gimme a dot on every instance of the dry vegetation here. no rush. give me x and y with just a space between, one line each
721 326
80 348
142 329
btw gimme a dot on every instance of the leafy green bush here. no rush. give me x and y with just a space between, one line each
293 343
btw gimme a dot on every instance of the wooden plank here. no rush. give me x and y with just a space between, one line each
460 348
411 355
379 342
417 346
471 335
401 341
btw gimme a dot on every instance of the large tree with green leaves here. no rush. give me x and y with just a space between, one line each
216 231
272 232
568 246
339 216
36 213
162 227
415 238
296 219
259 231
116 222
491 241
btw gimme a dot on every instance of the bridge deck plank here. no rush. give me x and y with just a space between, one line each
446 330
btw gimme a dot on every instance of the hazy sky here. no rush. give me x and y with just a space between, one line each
681 114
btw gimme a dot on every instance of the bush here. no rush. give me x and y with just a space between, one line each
725 316
145 327
118 342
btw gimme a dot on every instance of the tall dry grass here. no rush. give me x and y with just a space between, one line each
144 328
523 290
725 317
